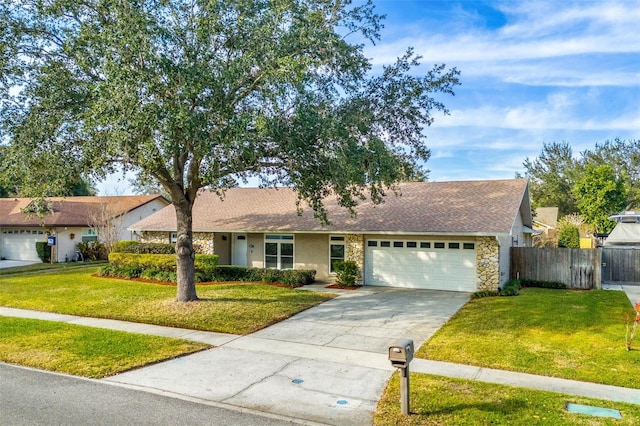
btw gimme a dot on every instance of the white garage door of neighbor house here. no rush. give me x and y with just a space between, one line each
20 244
435 265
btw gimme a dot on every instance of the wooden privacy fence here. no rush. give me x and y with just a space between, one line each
577 268
620 265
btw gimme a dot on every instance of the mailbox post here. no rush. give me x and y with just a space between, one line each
400 355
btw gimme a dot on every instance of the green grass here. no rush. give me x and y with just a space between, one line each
83 351
443 401
571 334
47 267
227 308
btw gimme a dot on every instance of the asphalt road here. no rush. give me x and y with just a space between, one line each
30 397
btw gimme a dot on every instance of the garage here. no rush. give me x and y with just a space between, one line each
425 264
20 244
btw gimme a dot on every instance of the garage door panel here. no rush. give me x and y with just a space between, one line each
20 246
438 269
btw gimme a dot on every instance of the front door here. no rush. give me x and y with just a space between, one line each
239 250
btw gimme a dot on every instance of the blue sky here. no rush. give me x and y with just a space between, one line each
532 72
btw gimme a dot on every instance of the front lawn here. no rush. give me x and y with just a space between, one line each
438 400
83 351
571 334
226 308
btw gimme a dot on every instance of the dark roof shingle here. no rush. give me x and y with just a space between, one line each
463 207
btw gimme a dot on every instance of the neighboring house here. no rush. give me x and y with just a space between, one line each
440 235
71 220
626 234
545 225
546 219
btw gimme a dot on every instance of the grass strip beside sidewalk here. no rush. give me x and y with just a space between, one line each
438 400
224 308
577 335
83 351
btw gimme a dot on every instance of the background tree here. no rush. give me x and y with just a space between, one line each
551 177
568 235
600 193
624 157
206 93
106 223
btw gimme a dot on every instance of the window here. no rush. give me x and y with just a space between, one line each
336 251
173 237
438 245
278 251
385 243
468 246
411 244
425 245
372 244
454 245
398 244
89 235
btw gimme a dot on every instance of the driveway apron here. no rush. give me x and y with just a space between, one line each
326 365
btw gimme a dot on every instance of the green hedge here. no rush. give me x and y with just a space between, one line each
512 288
543 284
132 246
44 251
162 267
288 277
205 263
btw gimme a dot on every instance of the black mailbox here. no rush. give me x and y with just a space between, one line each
401 353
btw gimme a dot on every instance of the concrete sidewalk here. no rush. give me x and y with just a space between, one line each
326 365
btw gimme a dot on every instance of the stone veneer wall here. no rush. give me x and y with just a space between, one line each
155 237
202 241
488 263
355 251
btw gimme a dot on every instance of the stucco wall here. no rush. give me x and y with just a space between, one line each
255 250
137 215
311 251
65 246
222 245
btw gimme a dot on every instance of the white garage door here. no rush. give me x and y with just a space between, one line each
436 265
20 244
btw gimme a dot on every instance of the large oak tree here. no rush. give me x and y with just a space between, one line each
203 93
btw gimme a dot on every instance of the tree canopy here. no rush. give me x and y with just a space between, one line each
551 177
595 184
601 193
206 93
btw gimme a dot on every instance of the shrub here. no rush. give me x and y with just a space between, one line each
44 251
92 250
204 263
155 274
485 293
569 236
132 246
543 284
511 288
120 271
346 272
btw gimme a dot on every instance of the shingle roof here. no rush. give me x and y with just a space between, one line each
69 211
471 207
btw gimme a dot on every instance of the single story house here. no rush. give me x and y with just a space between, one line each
433 235
70 220
626 233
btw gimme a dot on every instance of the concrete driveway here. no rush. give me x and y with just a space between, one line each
14 263
326 365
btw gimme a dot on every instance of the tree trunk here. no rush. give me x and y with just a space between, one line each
185 254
